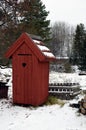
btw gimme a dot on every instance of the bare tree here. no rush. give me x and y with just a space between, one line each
10 12
62 34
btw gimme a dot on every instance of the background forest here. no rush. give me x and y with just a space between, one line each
30 16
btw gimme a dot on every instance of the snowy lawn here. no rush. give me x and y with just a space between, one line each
53 117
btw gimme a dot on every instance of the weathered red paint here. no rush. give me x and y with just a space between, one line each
30 72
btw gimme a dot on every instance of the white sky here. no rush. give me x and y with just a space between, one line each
70 11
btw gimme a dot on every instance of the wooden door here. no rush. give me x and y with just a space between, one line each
22 79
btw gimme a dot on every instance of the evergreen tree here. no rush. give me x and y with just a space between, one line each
79 50
33 18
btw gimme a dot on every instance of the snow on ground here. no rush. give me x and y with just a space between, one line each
41 118
53 117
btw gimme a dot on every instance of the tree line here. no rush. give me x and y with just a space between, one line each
71 42
18 16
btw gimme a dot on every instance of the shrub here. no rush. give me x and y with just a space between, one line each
67 67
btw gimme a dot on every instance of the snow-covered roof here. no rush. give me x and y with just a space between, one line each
59 57
45 50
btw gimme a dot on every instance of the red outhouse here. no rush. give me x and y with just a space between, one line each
30 63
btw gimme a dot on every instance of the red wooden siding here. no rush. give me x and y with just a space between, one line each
30 71
40 78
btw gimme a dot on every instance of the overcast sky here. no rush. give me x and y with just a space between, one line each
70 11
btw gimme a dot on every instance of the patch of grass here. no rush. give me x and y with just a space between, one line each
54 100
